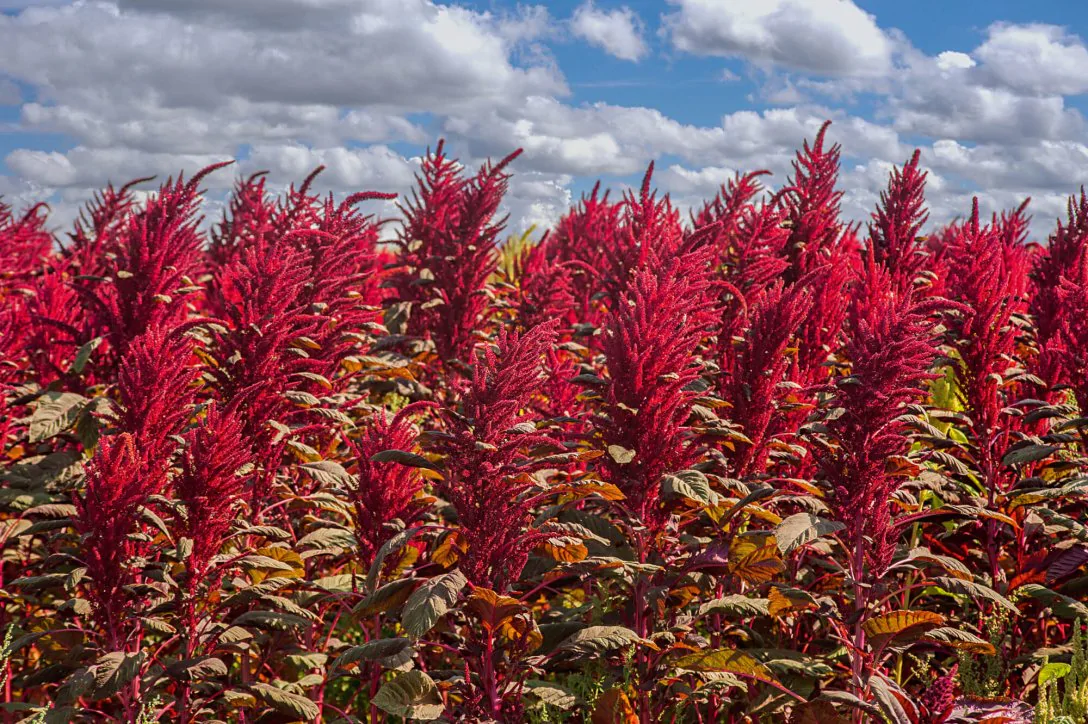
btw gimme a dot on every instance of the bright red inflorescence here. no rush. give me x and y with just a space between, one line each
210 485
387 491
753 384
891 346
120 479
487 471
447 250
751 464
1064 253
650 339
896 225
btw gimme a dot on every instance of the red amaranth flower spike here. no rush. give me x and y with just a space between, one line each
246 223
448 240
487 467
544 288
210 486
813 207
384 491
754 373
727 210
120 478
650 340
649 232
821 333
254 365
1070 343
58 329
582 238
14 325
24 243
157 253
155 390
898 221
97 230
891 347
987 272
1065 251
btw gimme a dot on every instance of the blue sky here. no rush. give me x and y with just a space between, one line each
992 93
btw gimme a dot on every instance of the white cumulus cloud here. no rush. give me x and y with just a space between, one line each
833 37
617 32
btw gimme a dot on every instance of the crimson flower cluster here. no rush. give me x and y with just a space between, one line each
891 346
487 472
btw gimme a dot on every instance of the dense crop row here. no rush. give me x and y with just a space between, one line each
757 465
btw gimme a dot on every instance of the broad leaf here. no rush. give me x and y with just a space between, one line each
797 530
732 661
411 695
285 702
431 601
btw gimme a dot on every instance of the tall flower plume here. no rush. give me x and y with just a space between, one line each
384 491
24 243
155 390
891 347
448 243
487 460
583 238
987 272
897 222
651 337
120 478
752 382
1065 251
155 258
209 485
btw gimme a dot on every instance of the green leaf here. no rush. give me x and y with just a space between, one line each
83 356
549 694
233 635
300 397
408 459
271 620
801 528
327 472
55 413
75 685
203 667
285 702
114 670
736 605
889 703
960 640
1028 454
307 660
598 639
339 583
976 590
326 538
431 601
1053 670
411 695
948 563
1063 606
388 653
38 583
690 484
393 544
386 598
